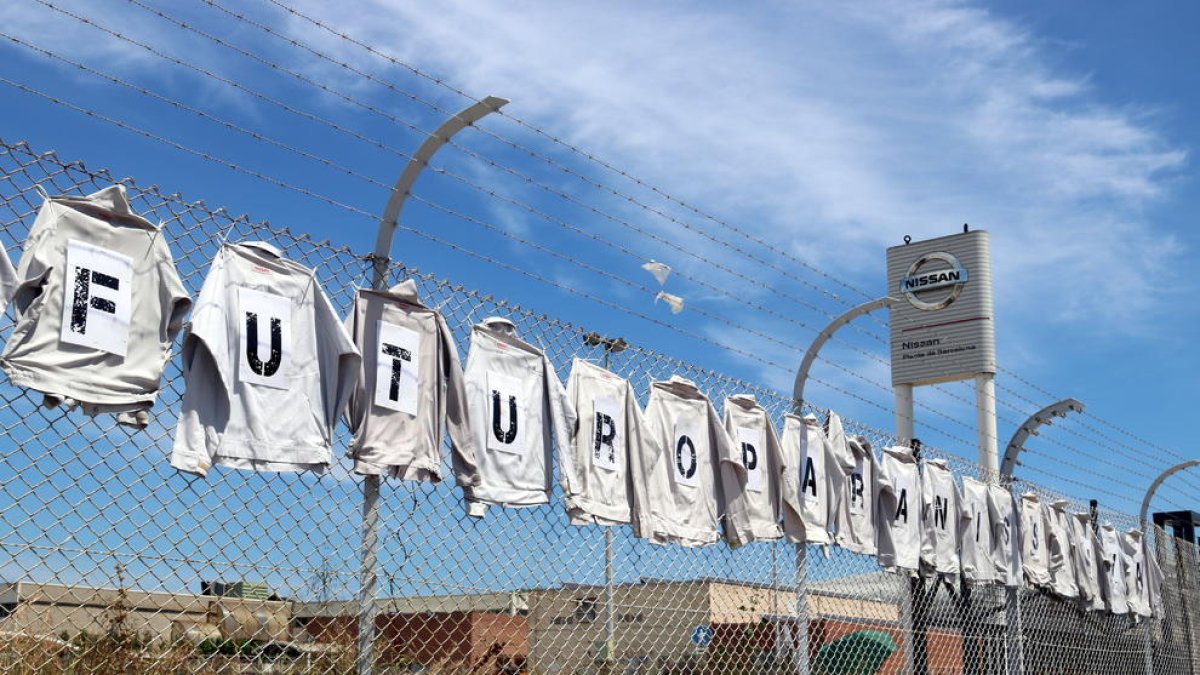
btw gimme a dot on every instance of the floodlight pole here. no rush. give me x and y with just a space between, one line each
1030 428
611 346
1149 644
1159 481
800 658
1045 416
1149 641
810 354
380 262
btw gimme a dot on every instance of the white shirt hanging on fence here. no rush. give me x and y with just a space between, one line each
411 386
1058 541
942 514
518 409
8 280
1143 577
756 444
679 475
1112 570
268 365
98 304
853 486
1154 578
807 498
978 548
898 510
1006 536
594 468
1086 556
1035 558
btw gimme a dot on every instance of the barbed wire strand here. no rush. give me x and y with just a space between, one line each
311 156
351 172
462 179
420 233
413 127
441 82
489 259
391 86
347 170
299 44
358 102
591 157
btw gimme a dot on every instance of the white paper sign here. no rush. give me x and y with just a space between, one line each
608 433
750 445
685 454
506 414
397 368
265 324
905 497
812 471
857 488
97 298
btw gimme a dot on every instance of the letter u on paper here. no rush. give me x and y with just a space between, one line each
265 325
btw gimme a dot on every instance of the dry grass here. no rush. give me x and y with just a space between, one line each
21 655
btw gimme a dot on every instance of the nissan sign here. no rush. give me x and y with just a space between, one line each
942 327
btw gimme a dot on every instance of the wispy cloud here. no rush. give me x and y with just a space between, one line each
840 127
43 26
832 129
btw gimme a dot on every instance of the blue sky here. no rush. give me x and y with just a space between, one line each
829 130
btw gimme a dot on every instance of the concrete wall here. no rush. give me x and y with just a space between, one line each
433 638
43 609
652 620
654 623
49 609
733 603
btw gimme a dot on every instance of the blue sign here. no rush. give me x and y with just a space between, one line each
702 636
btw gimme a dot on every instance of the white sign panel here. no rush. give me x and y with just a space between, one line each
906 497
858 488
942 327
97 300
685 453
265 325
608 443
506 414
397 368
750 445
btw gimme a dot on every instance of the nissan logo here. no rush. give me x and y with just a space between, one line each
918 281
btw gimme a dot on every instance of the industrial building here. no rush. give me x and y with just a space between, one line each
560 629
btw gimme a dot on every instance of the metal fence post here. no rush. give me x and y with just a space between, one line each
1015 635
368 576
800 657
904 582
1145 510
1185 575
380 260
801 664
610 624
1015 631
611 346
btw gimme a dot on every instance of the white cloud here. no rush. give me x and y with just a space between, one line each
85 40
831 128
68 36
838 126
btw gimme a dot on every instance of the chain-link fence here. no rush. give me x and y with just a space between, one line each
114 562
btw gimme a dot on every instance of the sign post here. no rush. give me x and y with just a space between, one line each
942 328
